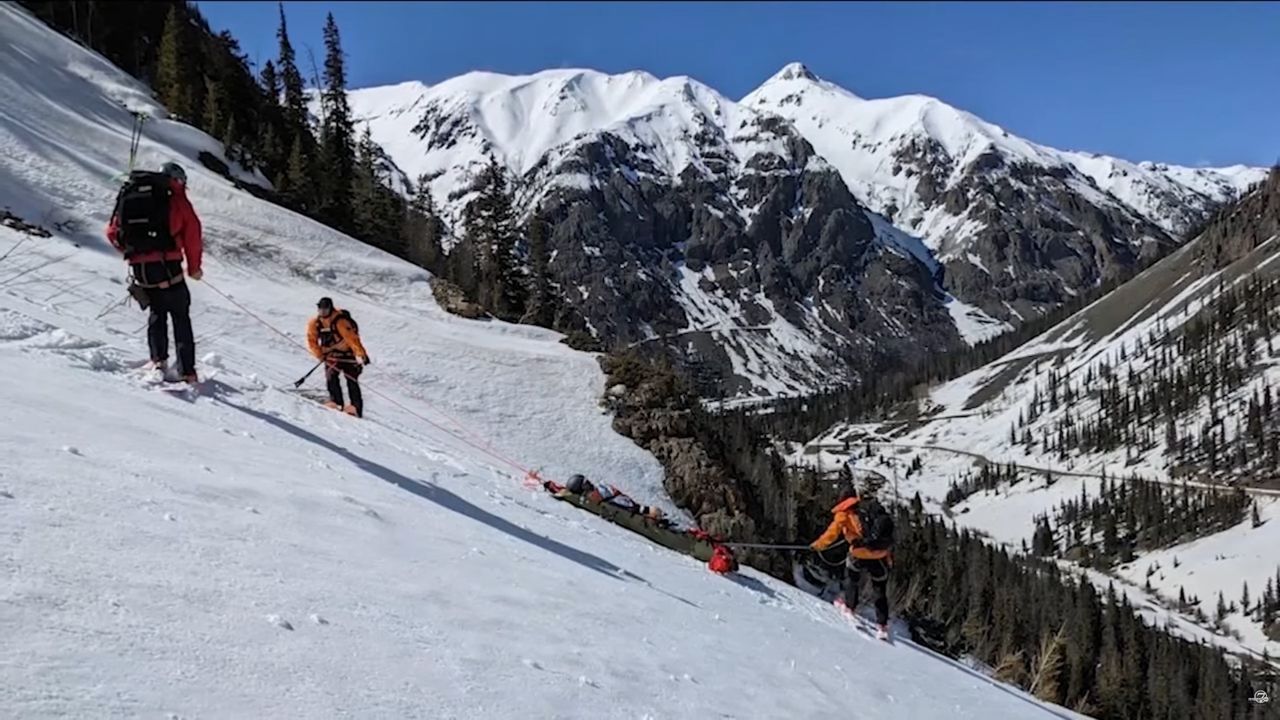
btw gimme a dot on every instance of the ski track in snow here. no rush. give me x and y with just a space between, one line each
240 551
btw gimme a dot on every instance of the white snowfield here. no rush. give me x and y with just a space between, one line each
245 553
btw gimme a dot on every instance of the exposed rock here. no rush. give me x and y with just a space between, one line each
1237 230
783 243
452 299
658 414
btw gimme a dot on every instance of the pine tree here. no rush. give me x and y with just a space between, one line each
269 152
174 82
215 115
541 309
298 177
422 229
1042 540
363 189
270 146
1046 672
1244 598
337 135
270 81
490 228
295 102
1221 613
231 139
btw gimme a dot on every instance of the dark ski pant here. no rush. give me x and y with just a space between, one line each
168 303
334 372
878 571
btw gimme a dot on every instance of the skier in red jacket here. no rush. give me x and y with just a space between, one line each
155 228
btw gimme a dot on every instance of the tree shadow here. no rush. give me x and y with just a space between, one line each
445 499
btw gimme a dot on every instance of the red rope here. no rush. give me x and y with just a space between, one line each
531 476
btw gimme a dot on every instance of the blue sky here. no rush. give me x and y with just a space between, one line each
1187 83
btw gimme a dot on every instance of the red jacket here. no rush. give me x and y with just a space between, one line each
183 225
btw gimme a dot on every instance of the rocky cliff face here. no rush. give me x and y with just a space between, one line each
772 274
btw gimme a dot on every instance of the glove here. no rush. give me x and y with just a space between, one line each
365 360
195 274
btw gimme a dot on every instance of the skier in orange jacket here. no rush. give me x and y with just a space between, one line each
868 529
334 337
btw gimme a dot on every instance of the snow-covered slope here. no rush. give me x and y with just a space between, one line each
1024 408
245 553
864 139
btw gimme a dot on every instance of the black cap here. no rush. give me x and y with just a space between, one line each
325 303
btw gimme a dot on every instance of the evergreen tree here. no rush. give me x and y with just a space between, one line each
174 81
215 115
490 229
363 189
541 309
270 81
270 146
295 103
337 136
231 139
298 183
1042 540
422 229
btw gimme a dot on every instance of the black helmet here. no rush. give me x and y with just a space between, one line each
175 171
325 303
576 484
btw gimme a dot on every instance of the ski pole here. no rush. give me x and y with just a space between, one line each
298 383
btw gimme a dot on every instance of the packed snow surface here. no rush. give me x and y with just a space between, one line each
242 552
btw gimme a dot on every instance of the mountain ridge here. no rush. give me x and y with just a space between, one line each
1008 228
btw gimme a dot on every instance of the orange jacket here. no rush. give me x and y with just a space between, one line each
344 338
845 522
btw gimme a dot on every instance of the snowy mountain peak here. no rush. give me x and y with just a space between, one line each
794 71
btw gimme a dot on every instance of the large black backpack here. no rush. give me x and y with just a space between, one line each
355 326
142 214
877 525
